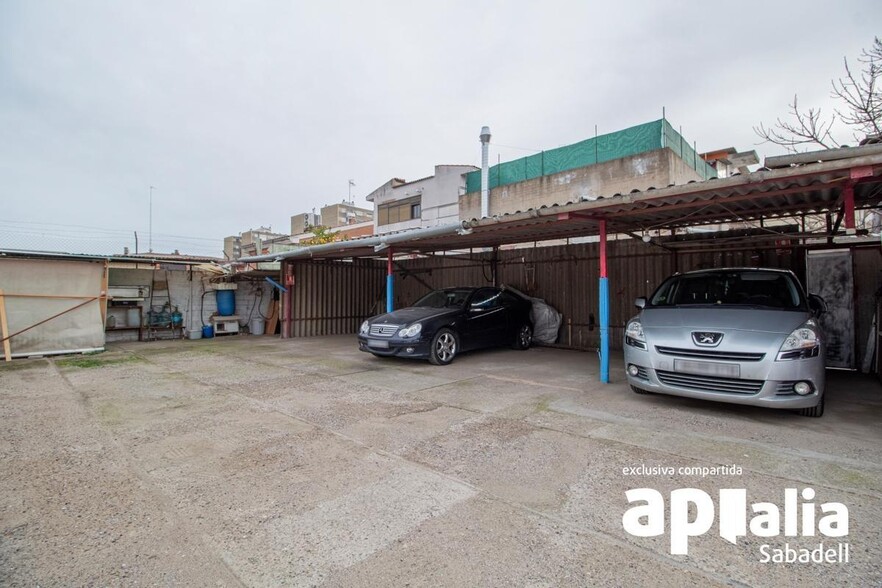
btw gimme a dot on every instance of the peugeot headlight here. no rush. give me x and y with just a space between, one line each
802 343
634 335
365 327
411 331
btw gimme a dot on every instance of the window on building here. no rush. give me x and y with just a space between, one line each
399 211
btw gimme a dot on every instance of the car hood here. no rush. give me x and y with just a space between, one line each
754 320
410 315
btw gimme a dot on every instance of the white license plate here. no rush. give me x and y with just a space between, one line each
378 344
707 368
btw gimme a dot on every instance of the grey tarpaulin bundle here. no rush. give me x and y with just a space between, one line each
546 320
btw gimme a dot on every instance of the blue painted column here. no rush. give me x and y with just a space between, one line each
603 295
390 284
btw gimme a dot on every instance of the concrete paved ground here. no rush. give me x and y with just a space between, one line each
260 462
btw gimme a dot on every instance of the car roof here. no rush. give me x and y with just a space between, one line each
736 269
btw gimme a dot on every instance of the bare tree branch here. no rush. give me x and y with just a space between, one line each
861 96
809 128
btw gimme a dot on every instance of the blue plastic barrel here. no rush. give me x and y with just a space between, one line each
226 302
207 331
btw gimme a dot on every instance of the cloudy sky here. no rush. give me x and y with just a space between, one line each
244 113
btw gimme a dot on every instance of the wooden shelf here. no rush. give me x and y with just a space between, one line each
113 310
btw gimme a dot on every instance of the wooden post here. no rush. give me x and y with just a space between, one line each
287 300
4 329
102 297
848 206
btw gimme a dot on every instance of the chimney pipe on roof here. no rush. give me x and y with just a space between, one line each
485 172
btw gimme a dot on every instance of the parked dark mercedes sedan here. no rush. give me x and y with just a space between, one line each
444 323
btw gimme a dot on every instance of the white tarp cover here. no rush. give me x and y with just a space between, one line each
78 330
546 320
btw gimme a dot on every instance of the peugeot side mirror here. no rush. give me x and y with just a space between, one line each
640 302
817 304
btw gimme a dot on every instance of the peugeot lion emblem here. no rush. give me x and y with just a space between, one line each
707 339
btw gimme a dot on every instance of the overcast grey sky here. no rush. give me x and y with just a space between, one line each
244 113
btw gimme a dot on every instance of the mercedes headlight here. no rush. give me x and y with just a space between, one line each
411 331
365 327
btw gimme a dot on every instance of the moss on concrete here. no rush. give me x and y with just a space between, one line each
86 362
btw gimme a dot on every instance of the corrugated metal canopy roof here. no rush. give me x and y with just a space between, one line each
766 194
146 258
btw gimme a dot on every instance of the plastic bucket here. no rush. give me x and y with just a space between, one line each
194 334
226 302
208 331
257 326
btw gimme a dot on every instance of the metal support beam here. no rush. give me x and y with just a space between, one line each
837 223
848 205
406 273
565 216
390 283
637 237
287 302
604 308
494 266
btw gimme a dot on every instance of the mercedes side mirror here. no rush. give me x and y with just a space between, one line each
640 302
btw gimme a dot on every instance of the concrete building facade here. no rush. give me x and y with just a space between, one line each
653 169
427 202
649 155
301 223
233 247
344 213
249 242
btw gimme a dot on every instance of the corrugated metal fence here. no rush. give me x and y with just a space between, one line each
566 278
334 297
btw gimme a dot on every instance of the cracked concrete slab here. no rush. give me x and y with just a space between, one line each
254 461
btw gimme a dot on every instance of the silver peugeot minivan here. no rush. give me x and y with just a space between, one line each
739 335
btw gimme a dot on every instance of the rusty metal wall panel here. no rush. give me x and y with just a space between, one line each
326 293
334 297
423 275
566 277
